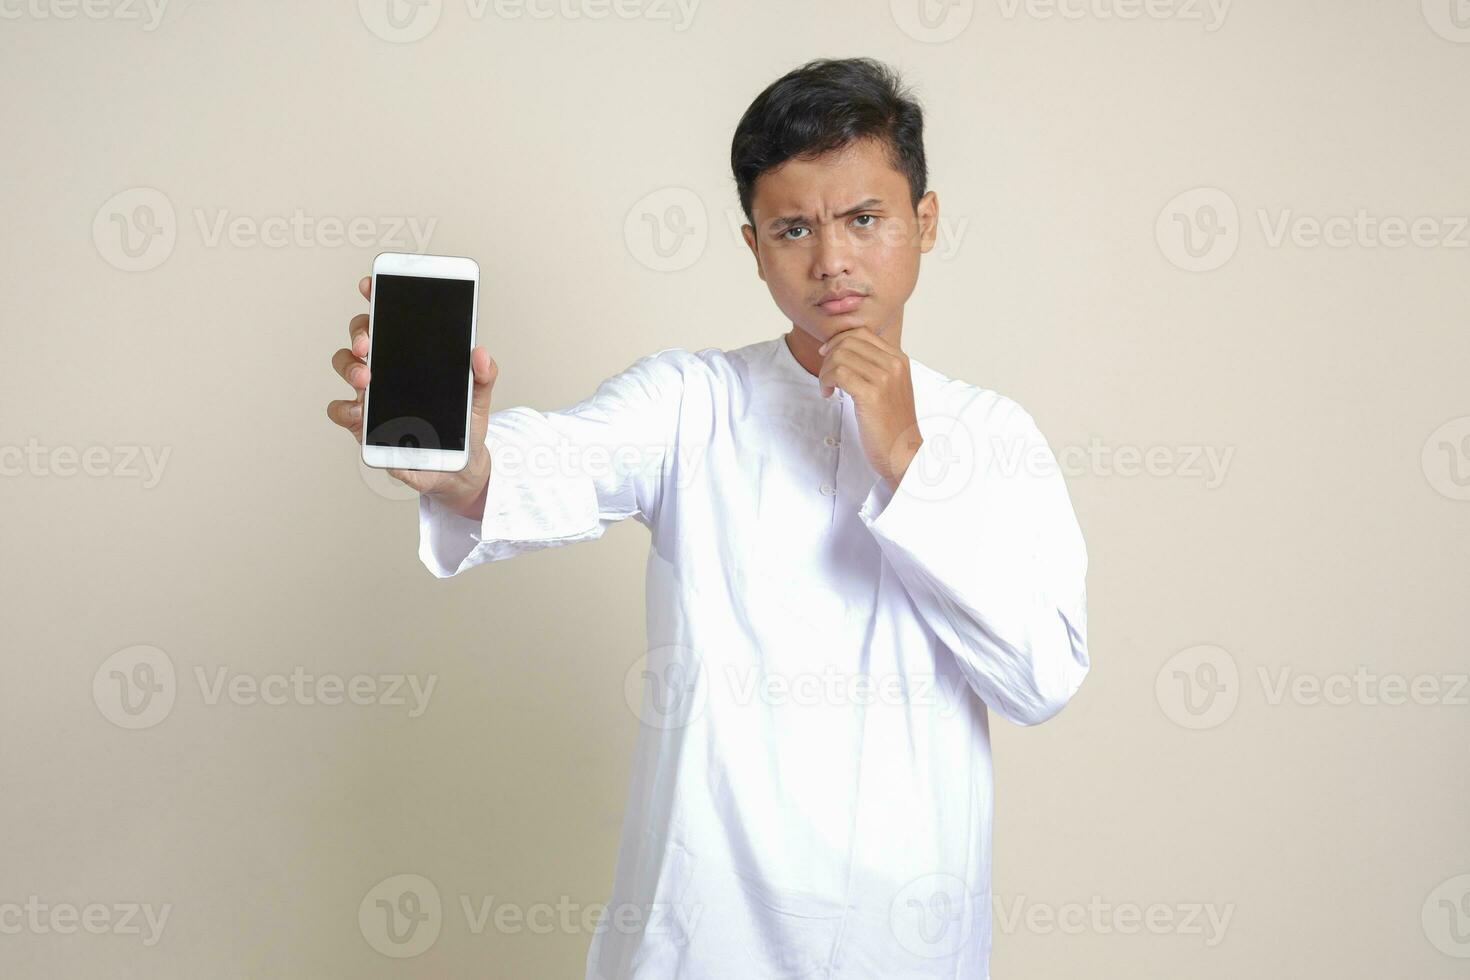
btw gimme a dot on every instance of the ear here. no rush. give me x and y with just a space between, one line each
928 213
748 233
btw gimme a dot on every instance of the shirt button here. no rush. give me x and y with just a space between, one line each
828 489
832 441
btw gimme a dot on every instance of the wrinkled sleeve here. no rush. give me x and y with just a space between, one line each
558 477
981 532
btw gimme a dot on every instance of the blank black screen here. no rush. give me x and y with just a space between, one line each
420 363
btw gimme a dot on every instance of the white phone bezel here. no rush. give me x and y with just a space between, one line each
428 267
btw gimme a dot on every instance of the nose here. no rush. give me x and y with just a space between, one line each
832 252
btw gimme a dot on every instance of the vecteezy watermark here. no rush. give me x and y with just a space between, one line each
137 229
1207 464
38 918
403 915
949 234
1446 917
933 916
937 21
664 687
1199 688
932 21
137 687
1363 229
406 21
1206 920
1210 14
565 461
954 454
148 13
1200 230
1446 459
667 229
594 461
118 462
302 688
1450 19
670 687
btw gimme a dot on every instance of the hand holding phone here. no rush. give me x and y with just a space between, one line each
462 489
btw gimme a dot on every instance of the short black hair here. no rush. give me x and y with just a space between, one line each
825 105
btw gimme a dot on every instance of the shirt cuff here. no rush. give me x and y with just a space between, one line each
894 513
532 501
446 539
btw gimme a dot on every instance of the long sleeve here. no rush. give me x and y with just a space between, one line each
558 477
981 532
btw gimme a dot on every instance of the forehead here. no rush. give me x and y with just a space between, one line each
835 179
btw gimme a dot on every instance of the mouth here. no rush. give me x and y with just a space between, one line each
842 302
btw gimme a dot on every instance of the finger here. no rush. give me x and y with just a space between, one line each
486 371
865 357
844 376
351 368
365 286
859 337
357 333
415 479
347 413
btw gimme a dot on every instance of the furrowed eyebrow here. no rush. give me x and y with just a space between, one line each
781 224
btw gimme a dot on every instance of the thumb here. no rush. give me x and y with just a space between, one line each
486 371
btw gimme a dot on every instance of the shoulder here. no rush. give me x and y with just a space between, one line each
710 367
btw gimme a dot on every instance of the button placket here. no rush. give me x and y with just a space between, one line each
829 487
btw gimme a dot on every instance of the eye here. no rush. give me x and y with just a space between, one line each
788 231
873 216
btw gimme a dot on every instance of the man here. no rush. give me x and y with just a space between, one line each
854 558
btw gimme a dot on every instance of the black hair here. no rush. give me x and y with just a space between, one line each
825 105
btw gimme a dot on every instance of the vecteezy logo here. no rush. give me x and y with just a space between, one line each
1446 459
404 432
932 21
1446 917
933 916
667 230
945 462
400 21
1198 688
135 687
1199 230
663 687
135 229
401 915
1450 19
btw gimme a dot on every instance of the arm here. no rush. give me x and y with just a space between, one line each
994 561
559 477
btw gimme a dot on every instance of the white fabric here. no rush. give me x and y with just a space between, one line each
811 794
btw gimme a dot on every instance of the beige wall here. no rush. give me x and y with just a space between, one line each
1326 533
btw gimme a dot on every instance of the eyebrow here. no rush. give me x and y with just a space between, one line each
781 224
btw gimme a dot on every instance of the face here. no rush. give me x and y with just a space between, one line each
838 224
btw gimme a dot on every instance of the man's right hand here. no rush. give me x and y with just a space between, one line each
462 492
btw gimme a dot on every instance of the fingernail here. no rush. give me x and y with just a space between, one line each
354 411
822 349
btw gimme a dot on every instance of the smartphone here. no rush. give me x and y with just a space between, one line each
421 323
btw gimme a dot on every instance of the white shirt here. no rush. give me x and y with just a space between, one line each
811 793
